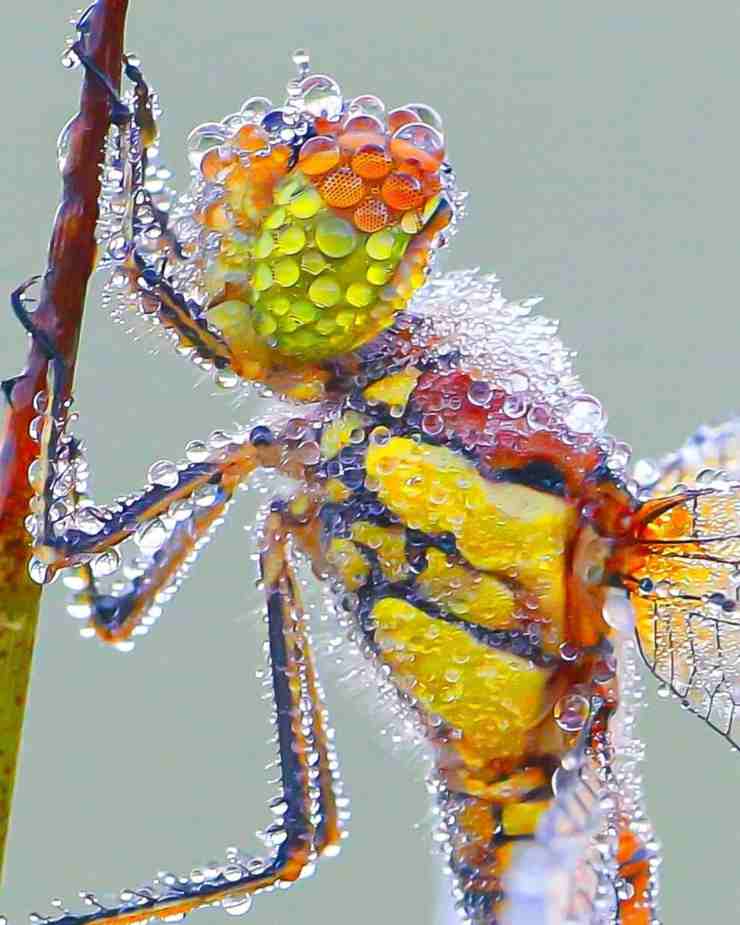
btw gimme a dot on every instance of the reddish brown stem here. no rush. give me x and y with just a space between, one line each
59 315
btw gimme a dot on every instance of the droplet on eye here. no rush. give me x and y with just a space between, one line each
318 155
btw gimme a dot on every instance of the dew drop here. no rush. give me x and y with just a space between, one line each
196 451
237 905
63 144
302 61
151 536
322 97
164 473
206 495
479 393
571 712
39 572
585 416
106 563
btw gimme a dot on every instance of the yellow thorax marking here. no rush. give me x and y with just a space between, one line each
493 698
393 390
338 434
512 530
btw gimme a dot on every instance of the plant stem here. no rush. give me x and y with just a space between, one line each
59 314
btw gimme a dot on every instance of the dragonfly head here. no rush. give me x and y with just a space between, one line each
325 213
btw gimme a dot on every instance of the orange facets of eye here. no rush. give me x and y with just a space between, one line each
251 138
318 155
343 188
371 215
404 150
402 191
371 162
215 167
216 217
399 117
280 155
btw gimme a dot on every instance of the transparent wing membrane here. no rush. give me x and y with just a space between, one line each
687 574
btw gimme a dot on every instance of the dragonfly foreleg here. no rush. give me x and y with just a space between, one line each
309 820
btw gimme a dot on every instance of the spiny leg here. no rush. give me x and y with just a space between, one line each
283 591
138 228
310 821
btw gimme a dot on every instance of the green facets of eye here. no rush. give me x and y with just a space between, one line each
379 273
380 245
264 323
287 190
263 246
325 291
291 240
336 237
360 294
279 305
313 262
276 219
262 278
286 271
304 311
306 204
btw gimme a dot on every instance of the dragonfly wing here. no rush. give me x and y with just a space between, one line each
686 573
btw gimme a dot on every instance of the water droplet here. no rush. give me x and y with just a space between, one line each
479 393
63 143
164 472
618 611
237 905
322 97
151 536
206 495
202 139
302 61
79 611
70 59
255 108
196 451
227 379
90 520
39 572
367 105
571 712
106 563
585 416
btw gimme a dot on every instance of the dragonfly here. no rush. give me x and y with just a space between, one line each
486 546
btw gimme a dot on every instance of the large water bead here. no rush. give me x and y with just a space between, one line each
343 188
335 236
286 271
371 215
372 162
325 291
380 245
419 142
319 155
291 239
306 203
402 191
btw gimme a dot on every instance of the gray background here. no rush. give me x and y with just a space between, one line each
600 145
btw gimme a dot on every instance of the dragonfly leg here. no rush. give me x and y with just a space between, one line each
310 820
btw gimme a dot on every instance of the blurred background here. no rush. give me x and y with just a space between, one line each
599 143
